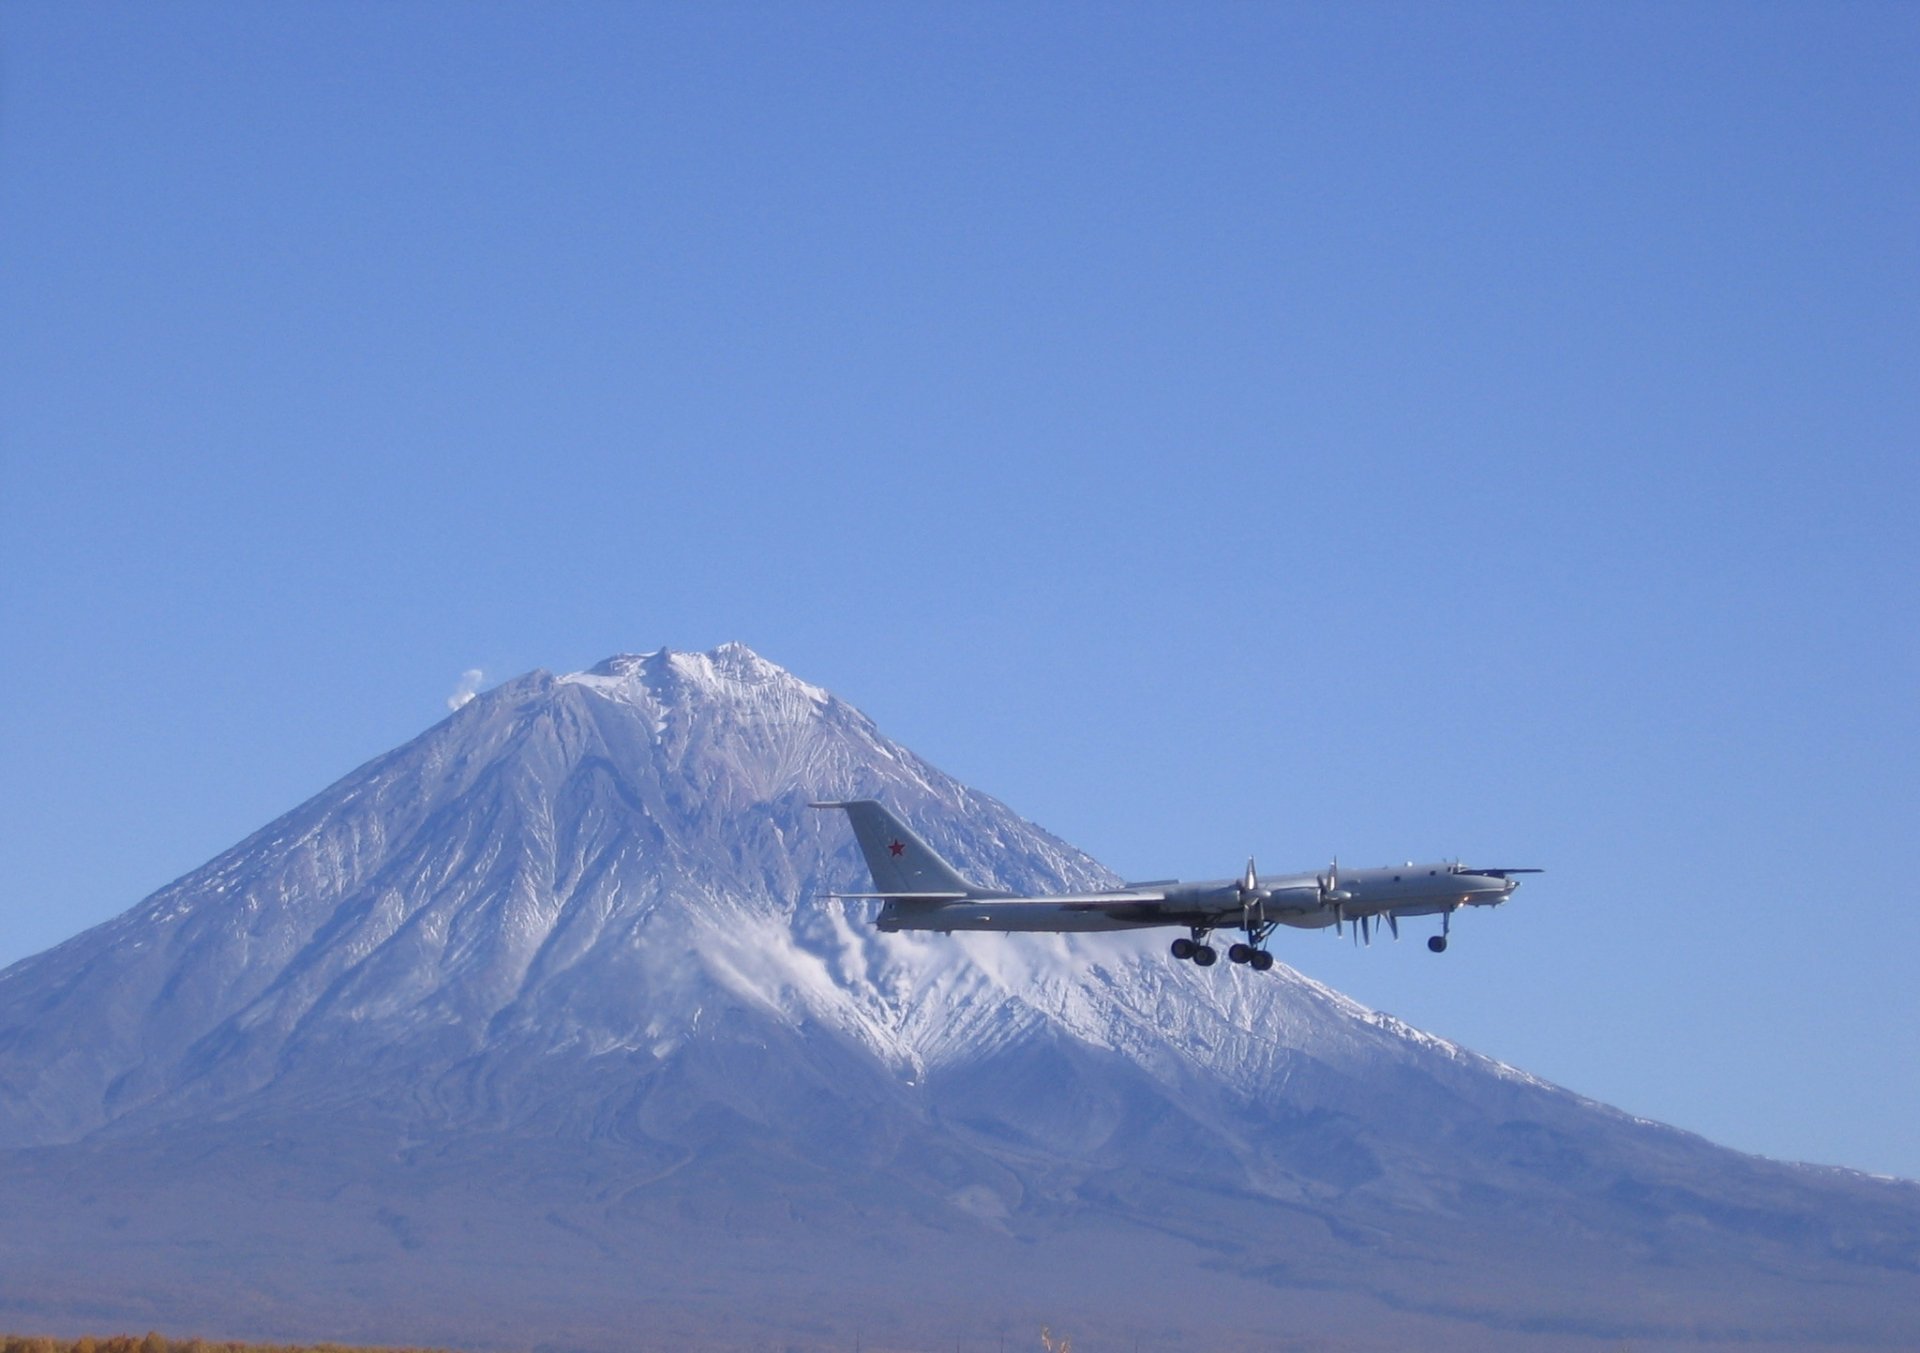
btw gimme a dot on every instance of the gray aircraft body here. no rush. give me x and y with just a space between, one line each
920 891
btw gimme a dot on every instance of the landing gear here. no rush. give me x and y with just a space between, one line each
1196 949
1204 955
1257 959
1438 944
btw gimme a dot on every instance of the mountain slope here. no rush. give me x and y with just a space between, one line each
570 942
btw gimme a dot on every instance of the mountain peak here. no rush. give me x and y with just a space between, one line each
731 673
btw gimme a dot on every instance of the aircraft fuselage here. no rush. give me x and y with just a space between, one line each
1293 900
920 891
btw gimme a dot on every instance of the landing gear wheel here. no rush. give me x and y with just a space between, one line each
1203 955
1438 944
1239 953
1260 960
1183 948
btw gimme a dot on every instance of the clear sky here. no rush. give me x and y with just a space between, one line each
1392 430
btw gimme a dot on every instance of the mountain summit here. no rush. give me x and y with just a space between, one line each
540 1030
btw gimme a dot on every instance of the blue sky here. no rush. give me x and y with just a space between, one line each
1393 430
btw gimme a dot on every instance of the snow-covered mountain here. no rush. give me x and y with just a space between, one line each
539 1030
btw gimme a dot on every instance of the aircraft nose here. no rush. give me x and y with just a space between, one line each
1485 890
1491 886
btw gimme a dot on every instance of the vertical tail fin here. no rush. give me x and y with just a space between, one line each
900 862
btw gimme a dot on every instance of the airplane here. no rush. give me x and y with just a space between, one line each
920 891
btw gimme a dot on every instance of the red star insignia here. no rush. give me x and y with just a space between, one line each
898 847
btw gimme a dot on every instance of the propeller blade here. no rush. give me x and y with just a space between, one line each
1393 924
1329 886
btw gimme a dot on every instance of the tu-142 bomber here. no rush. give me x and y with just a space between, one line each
920 891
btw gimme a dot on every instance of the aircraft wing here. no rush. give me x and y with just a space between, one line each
1149 901
1137 905
905 897
1083 901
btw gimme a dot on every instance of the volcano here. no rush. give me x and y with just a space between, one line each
540 1032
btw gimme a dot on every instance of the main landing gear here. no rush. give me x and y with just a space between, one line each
1204 955
1196 949
1257 959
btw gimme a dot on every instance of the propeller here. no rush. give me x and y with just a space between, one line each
1253 898
1331 894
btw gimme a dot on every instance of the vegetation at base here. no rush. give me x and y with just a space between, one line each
159 1343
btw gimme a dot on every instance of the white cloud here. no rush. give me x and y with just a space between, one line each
469 683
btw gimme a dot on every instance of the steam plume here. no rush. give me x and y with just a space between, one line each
469 683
